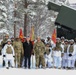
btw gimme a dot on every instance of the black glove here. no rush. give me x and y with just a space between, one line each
32 53
44 53
0 53
70 55
14 56
4 55
49 50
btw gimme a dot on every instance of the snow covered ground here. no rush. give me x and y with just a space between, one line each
22 71
14 71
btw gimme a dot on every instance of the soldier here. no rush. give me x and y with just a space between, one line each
52 45
9 54
71 54
49 41
57 51
48 56
62 39
19 52
39 49
65 56
4 41
75 54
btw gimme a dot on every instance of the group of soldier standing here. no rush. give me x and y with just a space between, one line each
45 54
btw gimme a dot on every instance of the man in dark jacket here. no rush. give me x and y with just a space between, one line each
27 52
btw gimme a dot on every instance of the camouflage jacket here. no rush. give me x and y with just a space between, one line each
39 48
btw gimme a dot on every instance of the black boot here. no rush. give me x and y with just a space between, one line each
7 67
8 63
3 63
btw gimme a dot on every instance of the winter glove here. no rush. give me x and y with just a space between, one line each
4 55
32 53
49 50
0 53
14 56
44 53
70 55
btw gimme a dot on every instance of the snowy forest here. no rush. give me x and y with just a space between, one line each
16 14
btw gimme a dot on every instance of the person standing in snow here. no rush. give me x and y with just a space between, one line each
48 56
65 55
9 54
28 47
19 52
3 43
71 51
57 52
39 50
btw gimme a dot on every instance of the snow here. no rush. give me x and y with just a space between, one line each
1 23
4 14
37 15
22 71
72 1
3 8
1 17
3 31
34 0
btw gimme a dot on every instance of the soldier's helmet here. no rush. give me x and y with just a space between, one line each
66 40
62 38
6 35
71 40
8 40
48 38
12 37
57 38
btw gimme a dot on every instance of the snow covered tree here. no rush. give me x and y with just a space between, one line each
3 14
12 14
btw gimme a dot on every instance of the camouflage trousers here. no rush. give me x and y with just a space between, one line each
18 60
40 61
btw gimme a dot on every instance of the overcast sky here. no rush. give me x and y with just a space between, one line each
72 1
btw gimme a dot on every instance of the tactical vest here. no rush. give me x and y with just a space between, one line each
47 50
65 48
9 50
71 49
58 47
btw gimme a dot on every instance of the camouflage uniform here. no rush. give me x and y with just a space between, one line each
57 55
9 54
3 43
71 51
19 52
39 49
48 56
65 57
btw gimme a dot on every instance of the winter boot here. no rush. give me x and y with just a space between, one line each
3 63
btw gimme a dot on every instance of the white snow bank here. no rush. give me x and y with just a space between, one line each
14 71
22 71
